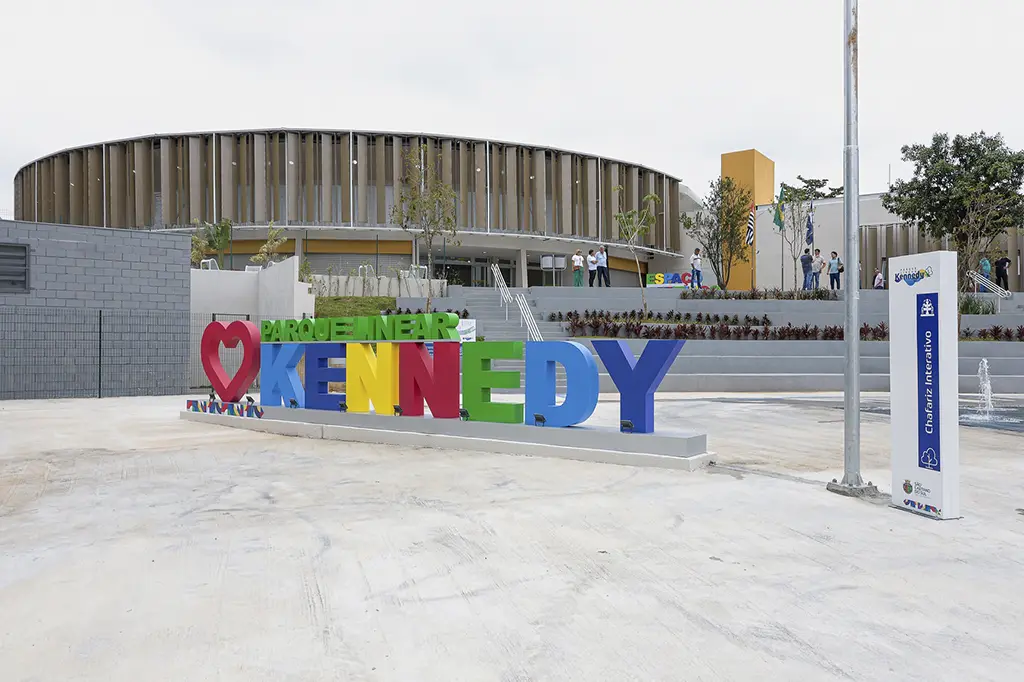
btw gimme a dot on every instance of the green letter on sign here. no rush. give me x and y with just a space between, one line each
478 379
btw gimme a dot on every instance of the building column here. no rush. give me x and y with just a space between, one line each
521 278
299 249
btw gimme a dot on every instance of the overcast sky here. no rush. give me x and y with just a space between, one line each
670 84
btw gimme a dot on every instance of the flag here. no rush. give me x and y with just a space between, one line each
750 225
780 206
810 225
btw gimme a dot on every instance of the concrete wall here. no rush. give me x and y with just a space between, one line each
106 313
272 292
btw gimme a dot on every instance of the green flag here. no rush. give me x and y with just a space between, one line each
780 220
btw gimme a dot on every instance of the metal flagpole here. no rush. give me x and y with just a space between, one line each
852 483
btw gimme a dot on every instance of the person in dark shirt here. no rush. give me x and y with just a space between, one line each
806 261
1002 276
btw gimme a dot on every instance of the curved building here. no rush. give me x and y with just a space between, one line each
338 186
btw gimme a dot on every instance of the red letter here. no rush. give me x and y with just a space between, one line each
434 380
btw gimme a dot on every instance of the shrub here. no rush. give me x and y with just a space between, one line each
971 304
735 319
687 317
1020 333
551 317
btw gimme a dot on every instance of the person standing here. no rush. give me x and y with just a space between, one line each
591 266
986 271
806 262
835 267
602 268
696 276
817 266
879 280
1002 273
577 268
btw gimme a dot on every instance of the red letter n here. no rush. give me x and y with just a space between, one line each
434 380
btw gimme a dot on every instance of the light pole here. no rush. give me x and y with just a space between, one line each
852 483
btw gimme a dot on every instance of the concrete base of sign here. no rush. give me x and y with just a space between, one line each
869 490
671 449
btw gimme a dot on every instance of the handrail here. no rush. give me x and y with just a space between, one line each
981 280
527 317
499 283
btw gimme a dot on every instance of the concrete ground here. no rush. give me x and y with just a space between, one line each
139 547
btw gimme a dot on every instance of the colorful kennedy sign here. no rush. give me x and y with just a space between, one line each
923 375
389 369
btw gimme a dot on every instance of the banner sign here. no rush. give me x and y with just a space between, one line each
389 370
924 378
667 280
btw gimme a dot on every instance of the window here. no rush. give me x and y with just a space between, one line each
13 268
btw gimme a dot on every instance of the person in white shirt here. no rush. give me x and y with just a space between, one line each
577 268
592 266
696 276
879 280
602 268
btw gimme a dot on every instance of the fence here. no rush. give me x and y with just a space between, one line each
85 353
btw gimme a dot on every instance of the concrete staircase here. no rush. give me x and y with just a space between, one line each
735 366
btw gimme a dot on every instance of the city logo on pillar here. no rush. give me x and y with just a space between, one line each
912 276
388 363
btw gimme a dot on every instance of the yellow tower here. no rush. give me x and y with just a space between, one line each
754 171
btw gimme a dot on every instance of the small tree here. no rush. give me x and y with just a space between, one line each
794 224
200 247
217 237
720 227
268 249
634 225
425 205
967 190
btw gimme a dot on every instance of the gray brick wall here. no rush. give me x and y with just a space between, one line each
91 267
107 313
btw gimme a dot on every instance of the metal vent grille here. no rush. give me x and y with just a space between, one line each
13 268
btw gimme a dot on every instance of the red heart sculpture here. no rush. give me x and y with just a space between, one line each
216 333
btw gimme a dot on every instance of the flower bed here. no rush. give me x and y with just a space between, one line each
756 294
634 316
606 325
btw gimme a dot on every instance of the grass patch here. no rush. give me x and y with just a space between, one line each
352 306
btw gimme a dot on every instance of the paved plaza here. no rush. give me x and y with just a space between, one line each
140 547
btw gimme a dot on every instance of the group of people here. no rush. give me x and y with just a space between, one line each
1002 267
814 266
595 263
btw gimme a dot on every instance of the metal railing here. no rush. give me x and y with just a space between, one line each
983 284
499 283
528 319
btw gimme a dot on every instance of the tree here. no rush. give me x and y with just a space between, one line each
634 225
794 212
268 249
720 227
425 205
217 237
815 188
967 190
